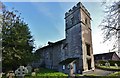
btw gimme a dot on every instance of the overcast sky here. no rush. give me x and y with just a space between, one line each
46 21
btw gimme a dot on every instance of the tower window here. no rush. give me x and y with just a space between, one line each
88 49
86 21
72 20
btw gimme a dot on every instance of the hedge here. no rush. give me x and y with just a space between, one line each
108 69
112 62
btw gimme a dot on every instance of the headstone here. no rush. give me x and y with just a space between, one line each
36 70
29 68
33 74
21 71
116 65
10 74
107 64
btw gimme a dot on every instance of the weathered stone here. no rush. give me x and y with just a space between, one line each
116 65
10 74
76 49
21 71
29 68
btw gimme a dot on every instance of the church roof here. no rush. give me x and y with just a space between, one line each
106 55
53 44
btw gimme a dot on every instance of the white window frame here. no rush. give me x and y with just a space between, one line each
63 67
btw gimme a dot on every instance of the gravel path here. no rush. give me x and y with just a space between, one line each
98 72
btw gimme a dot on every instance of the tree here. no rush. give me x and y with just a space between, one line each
111 23
17 42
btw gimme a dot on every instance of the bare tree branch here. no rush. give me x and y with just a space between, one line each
110 25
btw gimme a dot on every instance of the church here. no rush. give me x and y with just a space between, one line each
75 51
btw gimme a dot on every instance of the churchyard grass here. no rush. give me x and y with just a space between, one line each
111 67
48 72
115 74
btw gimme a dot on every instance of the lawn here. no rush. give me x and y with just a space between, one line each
111 67
115 74
48 72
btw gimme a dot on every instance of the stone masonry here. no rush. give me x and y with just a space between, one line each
76 49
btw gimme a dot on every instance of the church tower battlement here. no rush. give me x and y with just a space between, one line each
74 8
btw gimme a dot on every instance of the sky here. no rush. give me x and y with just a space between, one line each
46 21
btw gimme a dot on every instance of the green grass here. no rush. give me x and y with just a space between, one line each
49 72
115 74
78 75
111 67
46 73
90 75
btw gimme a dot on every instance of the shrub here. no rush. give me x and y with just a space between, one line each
112 62
102 62
107 68
115 74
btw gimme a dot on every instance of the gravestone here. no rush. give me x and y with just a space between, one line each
29 68
21 71
116 65
10 74
107 64
33 73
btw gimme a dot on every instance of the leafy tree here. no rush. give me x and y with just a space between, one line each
17 42
111 23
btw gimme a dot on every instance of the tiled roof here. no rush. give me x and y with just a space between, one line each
52 44
107 56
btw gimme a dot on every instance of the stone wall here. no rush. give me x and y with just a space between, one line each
86 39
52 54
73 32
78 34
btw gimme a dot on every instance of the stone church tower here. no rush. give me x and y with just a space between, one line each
78 36
74 53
